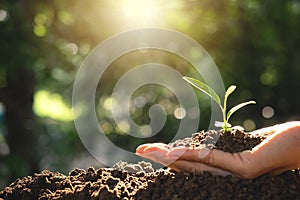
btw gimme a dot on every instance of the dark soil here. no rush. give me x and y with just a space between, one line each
140 181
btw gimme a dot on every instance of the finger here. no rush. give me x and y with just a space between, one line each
156 147
234 163
196 168
156 156
189 154
141 148
156 152
159 156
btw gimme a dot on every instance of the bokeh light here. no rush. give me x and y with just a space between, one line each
52 106
268 112
146 131
179 113
269 76
249 125
72 47
3 15
140 101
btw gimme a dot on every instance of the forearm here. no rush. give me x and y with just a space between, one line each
280 151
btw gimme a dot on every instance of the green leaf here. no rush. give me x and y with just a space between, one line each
229 91
204 88
237 107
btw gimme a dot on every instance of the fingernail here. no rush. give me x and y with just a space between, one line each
141 148
150 149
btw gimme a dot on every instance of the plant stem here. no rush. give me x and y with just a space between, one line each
224 114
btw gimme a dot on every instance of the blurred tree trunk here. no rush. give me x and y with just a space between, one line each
20 123
17 60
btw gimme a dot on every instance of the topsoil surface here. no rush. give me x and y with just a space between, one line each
140 181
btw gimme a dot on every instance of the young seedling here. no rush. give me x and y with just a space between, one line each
212 94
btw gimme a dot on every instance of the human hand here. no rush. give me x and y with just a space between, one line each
279 152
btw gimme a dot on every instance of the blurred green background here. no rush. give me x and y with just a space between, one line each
255 44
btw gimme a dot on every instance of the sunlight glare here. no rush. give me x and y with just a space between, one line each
145 10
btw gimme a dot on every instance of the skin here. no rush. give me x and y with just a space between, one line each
279 152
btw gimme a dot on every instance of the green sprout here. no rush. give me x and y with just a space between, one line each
212 94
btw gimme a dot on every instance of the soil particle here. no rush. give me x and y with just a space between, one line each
140 181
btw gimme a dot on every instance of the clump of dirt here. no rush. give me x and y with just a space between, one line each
234 141
140 181
134 168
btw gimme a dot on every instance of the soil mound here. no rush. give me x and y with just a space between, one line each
140 181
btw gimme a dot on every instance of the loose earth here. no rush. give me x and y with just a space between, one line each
140 181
